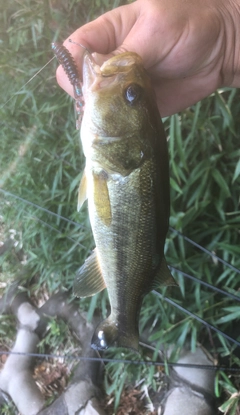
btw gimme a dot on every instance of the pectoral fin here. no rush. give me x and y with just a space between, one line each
164 276
101 197
82 191
89 279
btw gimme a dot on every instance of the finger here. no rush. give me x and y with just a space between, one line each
175 95
102 35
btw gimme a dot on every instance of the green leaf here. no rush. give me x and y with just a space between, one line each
229 317
233 249
221 182
227 116
234 314
175 186
230 405
236 172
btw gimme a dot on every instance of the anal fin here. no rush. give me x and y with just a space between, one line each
89 279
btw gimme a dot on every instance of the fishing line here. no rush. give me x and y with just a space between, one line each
172 229
183 273
42 208
173 303
79 44
56 230
17 92
225 293
119 361
206 284
205 250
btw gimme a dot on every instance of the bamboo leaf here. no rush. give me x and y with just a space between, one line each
221 182
236 172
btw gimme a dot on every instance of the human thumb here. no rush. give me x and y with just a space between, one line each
104 36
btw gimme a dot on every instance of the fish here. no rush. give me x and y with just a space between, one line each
126 183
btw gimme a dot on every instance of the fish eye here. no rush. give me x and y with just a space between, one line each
132 93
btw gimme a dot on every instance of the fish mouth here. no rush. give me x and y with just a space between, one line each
95 76
90 70
93 79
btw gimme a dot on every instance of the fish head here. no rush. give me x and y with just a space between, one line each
118 96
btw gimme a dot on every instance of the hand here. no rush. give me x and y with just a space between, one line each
189 48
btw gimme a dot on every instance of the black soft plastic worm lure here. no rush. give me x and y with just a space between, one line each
65 59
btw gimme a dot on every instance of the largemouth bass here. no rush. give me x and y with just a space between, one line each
126 182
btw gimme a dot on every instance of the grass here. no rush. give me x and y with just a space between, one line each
40 169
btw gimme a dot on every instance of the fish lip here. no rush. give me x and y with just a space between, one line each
92 73
90 70
93 76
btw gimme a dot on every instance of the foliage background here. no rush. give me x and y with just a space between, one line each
41 164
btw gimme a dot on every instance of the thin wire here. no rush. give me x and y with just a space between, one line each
42 208
205 250
56 230
79 44
197 318
124 361
17 92
206 284
172 229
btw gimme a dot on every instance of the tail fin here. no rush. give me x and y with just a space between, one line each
110 334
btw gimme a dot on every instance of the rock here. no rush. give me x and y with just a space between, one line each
192 389
182 400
